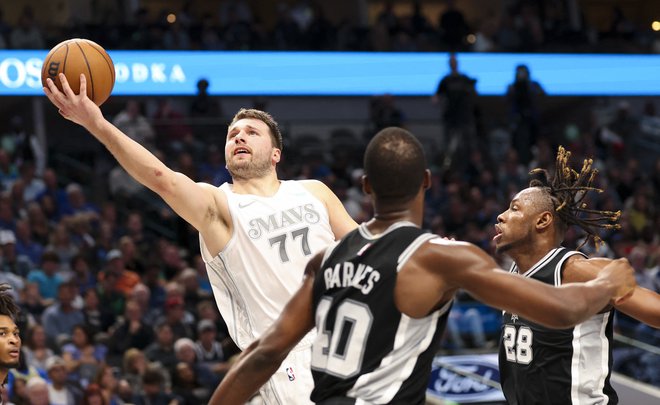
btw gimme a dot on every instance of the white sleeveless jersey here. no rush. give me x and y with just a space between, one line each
263 263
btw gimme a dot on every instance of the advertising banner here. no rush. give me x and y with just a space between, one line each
344 73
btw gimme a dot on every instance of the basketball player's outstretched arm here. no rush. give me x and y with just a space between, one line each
190 200
467 266
643 305
262 358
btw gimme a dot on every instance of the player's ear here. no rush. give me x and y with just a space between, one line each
545 220
366 186
277 155
427 179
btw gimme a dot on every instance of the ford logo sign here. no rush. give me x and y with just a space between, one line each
450 378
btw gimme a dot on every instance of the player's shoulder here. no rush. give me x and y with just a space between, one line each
439 244
578 268
316 187
438 249
213 189
435 246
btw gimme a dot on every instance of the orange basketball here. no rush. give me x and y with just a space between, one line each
75 56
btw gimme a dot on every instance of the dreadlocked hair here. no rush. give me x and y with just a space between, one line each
567 191
7 305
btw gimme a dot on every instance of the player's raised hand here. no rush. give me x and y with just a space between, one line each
74 107
622 275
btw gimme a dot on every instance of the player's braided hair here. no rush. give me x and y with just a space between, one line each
7 305
567 191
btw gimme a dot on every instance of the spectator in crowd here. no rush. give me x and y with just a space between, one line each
47 277
458 94
192 293
11 261
37 391
186 385
206 310
162 349
132 331
25 149
60 391
174 316
184 349
60 243
453 27
81 273
97 317
40 226
82 356
93 396
60 318
25 244
208 349
31 301
135 124
134 365
106 379
36 351
76 202
125 279
523 96
383 112
153 384
203 104
8 171
34 185
53 191
130 255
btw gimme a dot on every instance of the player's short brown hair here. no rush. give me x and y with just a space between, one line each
264 117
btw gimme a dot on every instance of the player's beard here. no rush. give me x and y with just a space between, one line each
9 364
521 242
255 168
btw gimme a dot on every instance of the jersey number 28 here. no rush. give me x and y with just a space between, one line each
518 344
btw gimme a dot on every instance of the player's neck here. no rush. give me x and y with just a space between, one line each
266 186
384 217
527 256
3 375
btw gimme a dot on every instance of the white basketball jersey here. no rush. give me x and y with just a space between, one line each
263 263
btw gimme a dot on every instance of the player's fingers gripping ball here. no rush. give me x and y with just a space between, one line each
75 56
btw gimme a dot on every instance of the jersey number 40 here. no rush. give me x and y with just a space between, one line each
339 351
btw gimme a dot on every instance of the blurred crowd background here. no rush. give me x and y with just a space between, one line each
116 303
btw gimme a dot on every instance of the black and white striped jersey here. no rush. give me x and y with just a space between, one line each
365 348
545 366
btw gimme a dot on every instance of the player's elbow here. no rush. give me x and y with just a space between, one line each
268 356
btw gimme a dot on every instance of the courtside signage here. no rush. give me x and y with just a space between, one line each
450 379
345 73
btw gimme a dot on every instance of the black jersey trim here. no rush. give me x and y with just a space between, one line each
539 265
412 248
366 233
559 269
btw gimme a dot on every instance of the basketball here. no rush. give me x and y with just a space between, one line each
75 56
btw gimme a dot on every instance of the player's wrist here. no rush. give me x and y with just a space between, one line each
602 284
